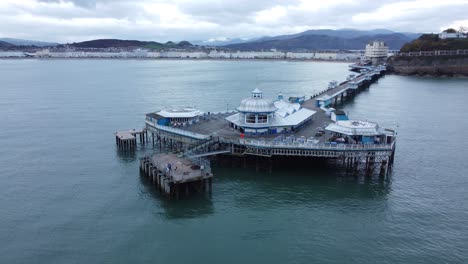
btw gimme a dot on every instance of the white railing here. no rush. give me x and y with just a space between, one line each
177 131
434 53
313 146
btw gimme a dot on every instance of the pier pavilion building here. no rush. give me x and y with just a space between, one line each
257 115
361 132
170 117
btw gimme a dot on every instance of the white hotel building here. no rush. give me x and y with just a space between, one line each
376 49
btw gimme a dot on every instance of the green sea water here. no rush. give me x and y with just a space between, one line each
68 195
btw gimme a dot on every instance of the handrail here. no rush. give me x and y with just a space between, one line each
177 131
312 146
433 53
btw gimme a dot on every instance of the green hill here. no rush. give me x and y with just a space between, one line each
433 65
119 43
4 44
322 42
430 42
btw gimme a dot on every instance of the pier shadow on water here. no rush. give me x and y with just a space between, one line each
298 182
126 156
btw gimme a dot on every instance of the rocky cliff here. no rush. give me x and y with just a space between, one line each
429 65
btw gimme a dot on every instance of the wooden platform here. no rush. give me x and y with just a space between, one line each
181 176
183 170
127 140
128 134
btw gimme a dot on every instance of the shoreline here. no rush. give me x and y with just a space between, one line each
455 75
177 59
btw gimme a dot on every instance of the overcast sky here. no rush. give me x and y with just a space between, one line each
163 20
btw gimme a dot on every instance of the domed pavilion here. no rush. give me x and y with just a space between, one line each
256 110
257 115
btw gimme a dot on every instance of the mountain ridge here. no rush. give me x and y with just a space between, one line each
26 42
122 43
322 42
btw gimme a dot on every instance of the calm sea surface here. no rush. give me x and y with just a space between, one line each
67 195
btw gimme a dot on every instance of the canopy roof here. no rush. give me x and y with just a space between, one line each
180 113
256 104
355 128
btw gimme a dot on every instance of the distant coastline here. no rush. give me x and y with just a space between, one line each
182 59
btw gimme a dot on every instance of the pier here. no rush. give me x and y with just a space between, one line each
127 139
204 137
175 176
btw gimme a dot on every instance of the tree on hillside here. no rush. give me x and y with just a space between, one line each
450 30
463 29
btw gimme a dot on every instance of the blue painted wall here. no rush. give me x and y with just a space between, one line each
341 117
367 140
164 121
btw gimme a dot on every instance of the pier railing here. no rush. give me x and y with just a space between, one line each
316 146
433 53
178 131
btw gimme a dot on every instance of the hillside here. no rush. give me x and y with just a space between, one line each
341 33
118 43
435 65
429 42
4 44
322 42
26 42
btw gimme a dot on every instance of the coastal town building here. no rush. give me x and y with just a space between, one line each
12 54
451 35
106 53
376 49
376 52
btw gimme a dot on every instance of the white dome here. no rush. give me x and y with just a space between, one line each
256 105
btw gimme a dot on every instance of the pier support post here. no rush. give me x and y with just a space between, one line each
382 168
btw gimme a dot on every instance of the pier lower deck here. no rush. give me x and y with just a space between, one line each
183 170
174 175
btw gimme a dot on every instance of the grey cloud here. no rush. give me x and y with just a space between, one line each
230 12
80 3
129 19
